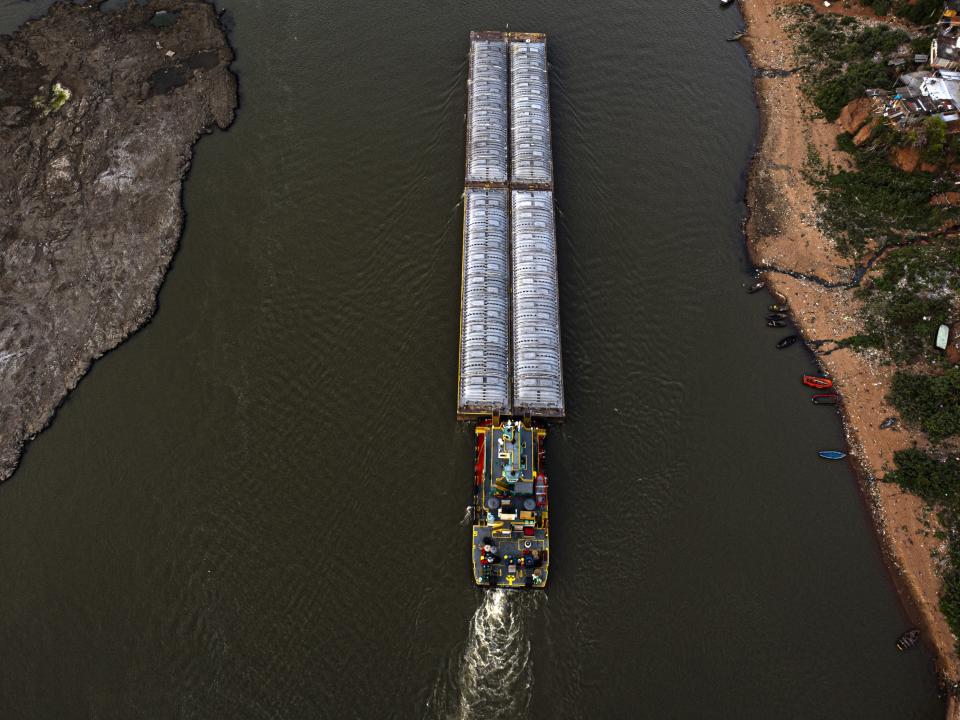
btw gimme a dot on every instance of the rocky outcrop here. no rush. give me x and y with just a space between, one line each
98 115
866 132
855 114
905 158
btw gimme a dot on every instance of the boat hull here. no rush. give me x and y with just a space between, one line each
832 454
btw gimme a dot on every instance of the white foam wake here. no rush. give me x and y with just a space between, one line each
493 678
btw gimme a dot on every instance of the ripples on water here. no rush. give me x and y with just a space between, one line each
493 677
228 491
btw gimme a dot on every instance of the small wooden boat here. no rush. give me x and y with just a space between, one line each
756 287
776 323
888 423
832 454
908 639
826 399
818 382
777 316
787 342
737 36
777 308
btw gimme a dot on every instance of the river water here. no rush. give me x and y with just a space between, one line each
253 508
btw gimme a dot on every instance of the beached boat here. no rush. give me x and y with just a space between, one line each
826 399
777 316
737 36
818 382
943 337
724 3
888 423
908 639
832 454
756 287
776 323
787 341
777 308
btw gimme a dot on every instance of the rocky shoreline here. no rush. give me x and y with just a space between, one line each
99 112
801 266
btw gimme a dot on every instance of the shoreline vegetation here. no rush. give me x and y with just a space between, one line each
854 224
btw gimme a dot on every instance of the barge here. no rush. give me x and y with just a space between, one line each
510 377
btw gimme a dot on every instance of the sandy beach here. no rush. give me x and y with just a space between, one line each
782 236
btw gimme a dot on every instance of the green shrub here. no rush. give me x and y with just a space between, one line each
845 143
904 324
914 292
876 201
935 138
841 58
931 401
920 12
919 268
880 7
920 45
861 342
830 95
923 475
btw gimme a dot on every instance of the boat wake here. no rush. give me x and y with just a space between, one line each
493 677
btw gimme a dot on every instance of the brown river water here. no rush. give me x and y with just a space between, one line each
253 508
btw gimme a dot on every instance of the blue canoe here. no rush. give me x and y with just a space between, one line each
832 454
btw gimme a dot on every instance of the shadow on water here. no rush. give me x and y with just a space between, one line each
493 676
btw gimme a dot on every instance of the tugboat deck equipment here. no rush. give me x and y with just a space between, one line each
511 541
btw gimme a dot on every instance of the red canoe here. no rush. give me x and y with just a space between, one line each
814 381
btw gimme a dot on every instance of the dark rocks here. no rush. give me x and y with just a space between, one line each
98 115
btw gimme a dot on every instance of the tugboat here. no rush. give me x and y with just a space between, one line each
511 534
908 639
817 381
787 342
826 399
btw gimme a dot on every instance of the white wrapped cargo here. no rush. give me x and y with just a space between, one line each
487 112
484 381
537 363
531 157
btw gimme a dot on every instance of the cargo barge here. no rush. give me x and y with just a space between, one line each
510 377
